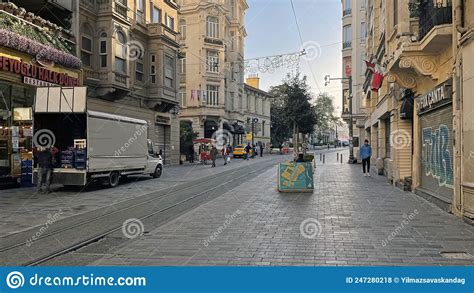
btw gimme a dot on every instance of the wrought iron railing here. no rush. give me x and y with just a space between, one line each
431 13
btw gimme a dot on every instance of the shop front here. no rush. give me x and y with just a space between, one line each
435 115
20 74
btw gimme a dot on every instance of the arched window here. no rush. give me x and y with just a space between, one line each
103 50
212 27
86 45
120 52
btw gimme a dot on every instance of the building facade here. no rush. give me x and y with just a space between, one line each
130 55
354 33
212 88
257 117
463 49
420 120
33 52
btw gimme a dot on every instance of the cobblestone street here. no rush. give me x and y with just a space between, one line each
23 208
351 220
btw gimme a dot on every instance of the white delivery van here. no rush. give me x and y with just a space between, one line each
87 144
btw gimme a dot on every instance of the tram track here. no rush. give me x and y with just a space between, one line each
70 236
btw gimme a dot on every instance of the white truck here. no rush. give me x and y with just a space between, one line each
89 145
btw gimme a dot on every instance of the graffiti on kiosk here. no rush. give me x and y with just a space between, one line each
436 155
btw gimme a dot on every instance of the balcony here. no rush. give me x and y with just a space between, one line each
109 85
346 12
346 45
161 30
430 14
121 9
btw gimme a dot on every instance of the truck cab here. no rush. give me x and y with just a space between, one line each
154 160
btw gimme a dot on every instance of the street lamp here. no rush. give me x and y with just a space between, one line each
327 81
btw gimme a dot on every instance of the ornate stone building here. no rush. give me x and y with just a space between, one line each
129 50
212 75
420 121
354 31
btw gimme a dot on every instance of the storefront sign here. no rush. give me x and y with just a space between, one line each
36 82
440 96
35 72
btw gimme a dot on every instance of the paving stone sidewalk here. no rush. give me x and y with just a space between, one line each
351 220
22 208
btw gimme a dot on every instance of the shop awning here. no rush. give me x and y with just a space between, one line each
203 140
60 100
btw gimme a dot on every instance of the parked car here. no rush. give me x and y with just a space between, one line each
239 151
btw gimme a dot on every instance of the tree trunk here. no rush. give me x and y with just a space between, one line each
295 147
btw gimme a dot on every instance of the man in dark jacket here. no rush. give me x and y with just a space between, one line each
214 153
45 168
247 151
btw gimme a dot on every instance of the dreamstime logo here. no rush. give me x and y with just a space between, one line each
132 228
310 228
223 137
51 220
228 220
15 280
44 138
400 139
135 50
407 219
312 50
140 129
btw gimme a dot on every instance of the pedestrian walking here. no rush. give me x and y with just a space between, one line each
213 154
225 154
261 149
45 169
300 158
365 154
191 154
247 151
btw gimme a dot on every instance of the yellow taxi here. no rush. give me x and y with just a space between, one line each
239 151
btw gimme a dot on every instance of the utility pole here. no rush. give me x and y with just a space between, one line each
253 131
327 80
351 126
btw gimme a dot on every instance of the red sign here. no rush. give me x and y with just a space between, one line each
348 69
36 72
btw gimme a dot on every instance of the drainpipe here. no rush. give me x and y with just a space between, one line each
458 6
458 12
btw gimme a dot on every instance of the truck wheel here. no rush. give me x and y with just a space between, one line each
158 171
114 179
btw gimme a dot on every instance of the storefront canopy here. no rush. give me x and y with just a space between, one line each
60 100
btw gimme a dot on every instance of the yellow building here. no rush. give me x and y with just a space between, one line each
129 50
212 76
420 120
354 32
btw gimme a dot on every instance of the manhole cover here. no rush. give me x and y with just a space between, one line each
456 255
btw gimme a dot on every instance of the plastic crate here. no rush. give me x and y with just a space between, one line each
80 143
80 166
80 152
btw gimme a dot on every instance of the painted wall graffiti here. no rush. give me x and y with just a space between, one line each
436 158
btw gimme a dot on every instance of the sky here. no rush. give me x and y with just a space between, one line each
272 30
